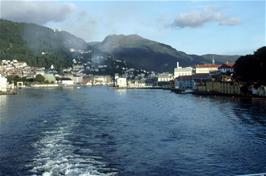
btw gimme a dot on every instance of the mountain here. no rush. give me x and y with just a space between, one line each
145 53
42 46
37 45
152 55
220 58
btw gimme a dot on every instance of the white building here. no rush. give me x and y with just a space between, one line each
121 82
182 71
77 79
206 68
102 80
20 64
65 82
3 84
165 77
40 71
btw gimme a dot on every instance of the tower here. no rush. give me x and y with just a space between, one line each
177 64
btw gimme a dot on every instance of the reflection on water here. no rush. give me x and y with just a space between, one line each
248 110
3 107
104 131
121 92
251 111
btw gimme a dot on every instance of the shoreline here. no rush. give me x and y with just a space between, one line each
227 95
8 93
177 91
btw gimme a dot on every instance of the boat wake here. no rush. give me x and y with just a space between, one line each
56 156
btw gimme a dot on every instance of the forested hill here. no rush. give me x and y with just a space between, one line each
42 46
153 55
37 45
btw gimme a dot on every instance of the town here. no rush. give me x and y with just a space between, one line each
202 79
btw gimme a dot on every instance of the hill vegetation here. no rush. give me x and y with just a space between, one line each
252 68
41 46
152 55
37 45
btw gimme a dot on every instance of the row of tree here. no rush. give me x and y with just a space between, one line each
252 68
38 79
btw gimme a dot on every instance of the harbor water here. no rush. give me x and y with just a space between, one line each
105 131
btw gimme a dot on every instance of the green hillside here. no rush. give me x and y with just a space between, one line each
37 45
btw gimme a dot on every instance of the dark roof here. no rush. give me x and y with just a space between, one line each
184 78
62 79
201 76
226 66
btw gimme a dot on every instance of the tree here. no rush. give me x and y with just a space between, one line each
39 78
252 68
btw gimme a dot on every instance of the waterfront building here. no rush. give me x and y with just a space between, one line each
77 79
217 87
3 84
152 81
102 80
20 85
87 80
182 71
184 82
121 82
165 77
136 84
65 82
226 68
258 91
198 79
206 68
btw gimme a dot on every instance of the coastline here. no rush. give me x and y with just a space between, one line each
198 93
177 91
8 93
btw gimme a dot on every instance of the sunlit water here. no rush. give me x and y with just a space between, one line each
103 131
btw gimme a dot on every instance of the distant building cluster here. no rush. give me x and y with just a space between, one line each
204 78
191 77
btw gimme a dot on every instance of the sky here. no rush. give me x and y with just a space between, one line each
195 26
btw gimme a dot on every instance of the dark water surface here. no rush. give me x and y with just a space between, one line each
102 131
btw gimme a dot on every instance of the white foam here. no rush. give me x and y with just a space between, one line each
46 174
56 156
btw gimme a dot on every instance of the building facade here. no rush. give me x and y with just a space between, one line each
3 84
102 80
121 82
206 68
184 82
226 68
165 77
182 71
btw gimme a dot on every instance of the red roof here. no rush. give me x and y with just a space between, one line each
207 65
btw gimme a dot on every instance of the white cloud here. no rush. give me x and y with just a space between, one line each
199 18
35 11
